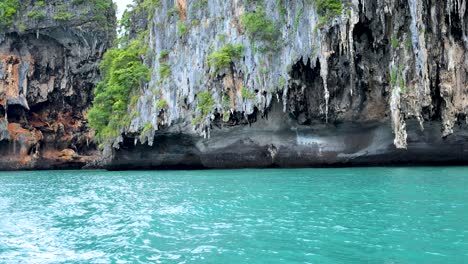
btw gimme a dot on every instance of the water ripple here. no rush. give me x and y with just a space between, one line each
367 215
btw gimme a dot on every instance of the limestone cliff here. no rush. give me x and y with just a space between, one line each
300 83
49 53
237 83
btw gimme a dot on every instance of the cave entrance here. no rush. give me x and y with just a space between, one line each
362 34
2 111
16 114
455 22
306 100
364 57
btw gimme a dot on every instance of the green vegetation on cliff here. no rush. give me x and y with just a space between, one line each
13 12
63 15
205 105
223 57
259 26
327 9
164 71
246 94
122 72
37 15
8 9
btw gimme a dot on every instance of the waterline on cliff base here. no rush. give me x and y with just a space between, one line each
358 215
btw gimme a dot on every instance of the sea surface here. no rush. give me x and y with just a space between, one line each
359 215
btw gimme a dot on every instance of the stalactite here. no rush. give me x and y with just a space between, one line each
398 123
418 39
353 20
325 54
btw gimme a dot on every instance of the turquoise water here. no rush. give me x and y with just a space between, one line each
362 215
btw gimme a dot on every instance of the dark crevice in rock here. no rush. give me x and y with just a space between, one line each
455 23
305 94
434 112
16 114
2 112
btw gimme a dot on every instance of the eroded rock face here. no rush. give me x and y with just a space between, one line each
48 70
385 82
280 142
